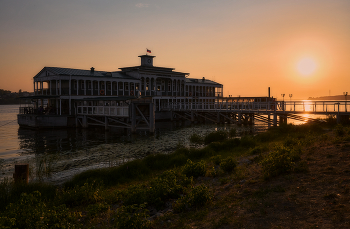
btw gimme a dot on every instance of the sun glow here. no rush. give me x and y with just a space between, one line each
307 66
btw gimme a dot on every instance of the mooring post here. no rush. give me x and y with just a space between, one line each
21 173
268 121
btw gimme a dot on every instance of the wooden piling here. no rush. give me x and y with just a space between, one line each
21 173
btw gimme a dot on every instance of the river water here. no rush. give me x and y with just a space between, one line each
55 155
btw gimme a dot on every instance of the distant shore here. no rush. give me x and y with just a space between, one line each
333 97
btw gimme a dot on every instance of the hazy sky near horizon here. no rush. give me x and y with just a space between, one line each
299 47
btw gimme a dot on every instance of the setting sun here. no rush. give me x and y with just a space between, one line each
306 66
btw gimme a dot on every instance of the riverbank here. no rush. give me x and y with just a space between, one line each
290 176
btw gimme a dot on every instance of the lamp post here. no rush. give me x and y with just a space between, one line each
290 100
283 100
345 94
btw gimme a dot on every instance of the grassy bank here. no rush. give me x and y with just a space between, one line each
290 176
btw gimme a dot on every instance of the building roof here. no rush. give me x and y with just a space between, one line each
201 81
153 69
80 72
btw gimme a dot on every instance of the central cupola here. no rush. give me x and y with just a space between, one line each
147 60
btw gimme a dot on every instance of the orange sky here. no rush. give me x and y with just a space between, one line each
246 45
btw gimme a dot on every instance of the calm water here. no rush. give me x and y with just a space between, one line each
57 154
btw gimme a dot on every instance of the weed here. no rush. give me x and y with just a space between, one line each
232 132
215 137
198 196
196 138
132 217
228 164
216 159
194 169
339 130
88 193
278 162
248 142
31 212
95 209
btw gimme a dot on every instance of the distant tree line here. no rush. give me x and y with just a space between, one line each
8 97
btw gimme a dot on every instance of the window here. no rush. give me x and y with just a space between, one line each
75 85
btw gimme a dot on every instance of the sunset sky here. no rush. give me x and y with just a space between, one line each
299 47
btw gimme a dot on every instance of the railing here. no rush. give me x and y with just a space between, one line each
117 111
278 106
38 111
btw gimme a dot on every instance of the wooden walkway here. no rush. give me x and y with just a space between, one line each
140 114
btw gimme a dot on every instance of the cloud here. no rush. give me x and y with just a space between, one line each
141 5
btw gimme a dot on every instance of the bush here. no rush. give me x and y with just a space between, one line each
215 137
31 212
200 153
232 132
197 197
228 164
88 193
10 192
132 217
339 130
248 142
216 159
98 208
194 169
168 185
279 161
196 138
134 194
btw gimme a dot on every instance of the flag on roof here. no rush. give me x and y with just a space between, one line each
149 51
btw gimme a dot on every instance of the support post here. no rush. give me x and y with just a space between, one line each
239 118
151 118
275 119
133 118
106 124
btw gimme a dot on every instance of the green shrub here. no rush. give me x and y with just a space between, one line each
196 138
339 130
200 153
88 193
166 186
232 132
279 161
132 217
216 159
228 164
258 150
95 209
216 136
31 212
194 169
10 192
134 194
198 196
248 142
